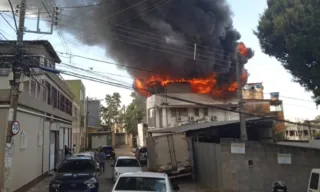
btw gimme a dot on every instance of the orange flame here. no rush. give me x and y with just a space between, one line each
207 85
242 49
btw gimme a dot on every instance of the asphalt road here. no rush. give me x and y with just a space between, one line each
106 183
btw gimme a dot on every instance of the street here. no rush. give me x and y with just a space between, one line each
106 183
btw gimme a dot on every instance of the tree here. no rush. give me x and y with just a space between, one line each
110 112
135 112
289 31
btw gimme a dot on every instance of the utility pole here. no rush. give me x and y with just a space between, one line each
17 70
243 128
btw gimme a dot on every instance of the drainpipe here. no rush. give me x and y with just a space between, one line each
43 120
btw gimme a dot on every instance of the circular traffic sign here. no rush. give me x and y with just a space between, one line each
15 127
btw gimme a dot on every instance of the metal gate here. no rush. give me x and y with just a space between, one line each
207 164
120 139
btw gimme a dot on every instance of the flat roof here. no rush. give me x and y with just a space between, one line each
192 127
45 43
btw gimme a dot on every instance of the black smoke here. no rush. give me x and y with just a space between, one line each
158 36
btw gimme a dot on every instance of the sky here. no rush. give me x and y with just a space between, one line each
262 68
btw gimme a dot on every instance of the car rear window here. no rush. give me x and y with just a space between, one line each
143 150
141 184
107 149
127 163
77 166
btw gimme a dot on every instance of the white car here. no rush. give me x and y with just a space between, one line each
144 181
125 164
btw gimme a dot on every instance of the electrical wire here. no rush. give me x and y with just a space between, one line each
105 17
95 72
12 11
175 98
5 19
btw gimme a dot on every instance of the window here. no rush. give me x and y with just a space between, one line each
314 181
77 166
205 111
151 113
141 184
23 140
291 133
305 133
127 163
177 112
196 112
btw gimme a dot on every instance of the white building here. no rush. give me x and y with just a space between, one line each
44 113
163 112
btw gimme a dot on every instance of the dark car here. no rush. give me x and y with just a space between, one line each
109 151
77 174
142 154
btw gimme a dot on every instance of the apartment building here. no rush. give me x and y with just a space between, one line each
79 91
44 114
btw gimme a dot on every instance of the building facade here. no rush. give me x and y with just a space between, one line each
94 114
76 125
44 114
79 91
163 112
257 104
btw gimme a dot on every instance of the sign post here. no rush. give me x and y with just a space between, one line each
15 128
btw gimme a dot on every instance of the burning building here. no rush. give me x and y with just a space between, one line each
164 43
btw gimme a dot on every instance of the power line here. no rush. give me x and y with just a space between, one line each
96 72
107 17
12 11
175 98
5 19
146 11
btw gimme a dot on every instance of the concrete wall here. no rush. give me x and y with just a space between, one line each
93 113
3 126
31 146
237 175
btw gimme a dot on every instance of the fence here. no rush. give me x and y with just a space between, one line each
207 164
254 167
120 139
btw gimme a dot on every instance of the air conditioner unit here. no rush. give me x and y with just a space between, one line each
214 118
191 118
179 119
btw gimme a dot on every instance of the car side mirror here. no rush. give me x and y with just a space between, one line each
54 170
111 165
175 186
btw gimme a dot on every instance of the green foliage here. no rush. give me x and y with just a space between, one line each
111 112
289 31
135 112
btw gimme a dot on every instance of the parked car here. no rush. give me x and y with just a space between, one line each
75 174
88 154
108 150
125 164
142 154
144 181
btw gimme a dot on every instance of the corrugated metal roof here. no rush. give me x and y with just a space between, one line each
191 127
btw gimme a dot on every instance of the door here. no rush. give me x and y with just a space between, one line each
52 150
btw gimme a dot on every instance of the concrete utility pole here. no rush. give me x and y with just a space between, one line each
243 128
17 70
